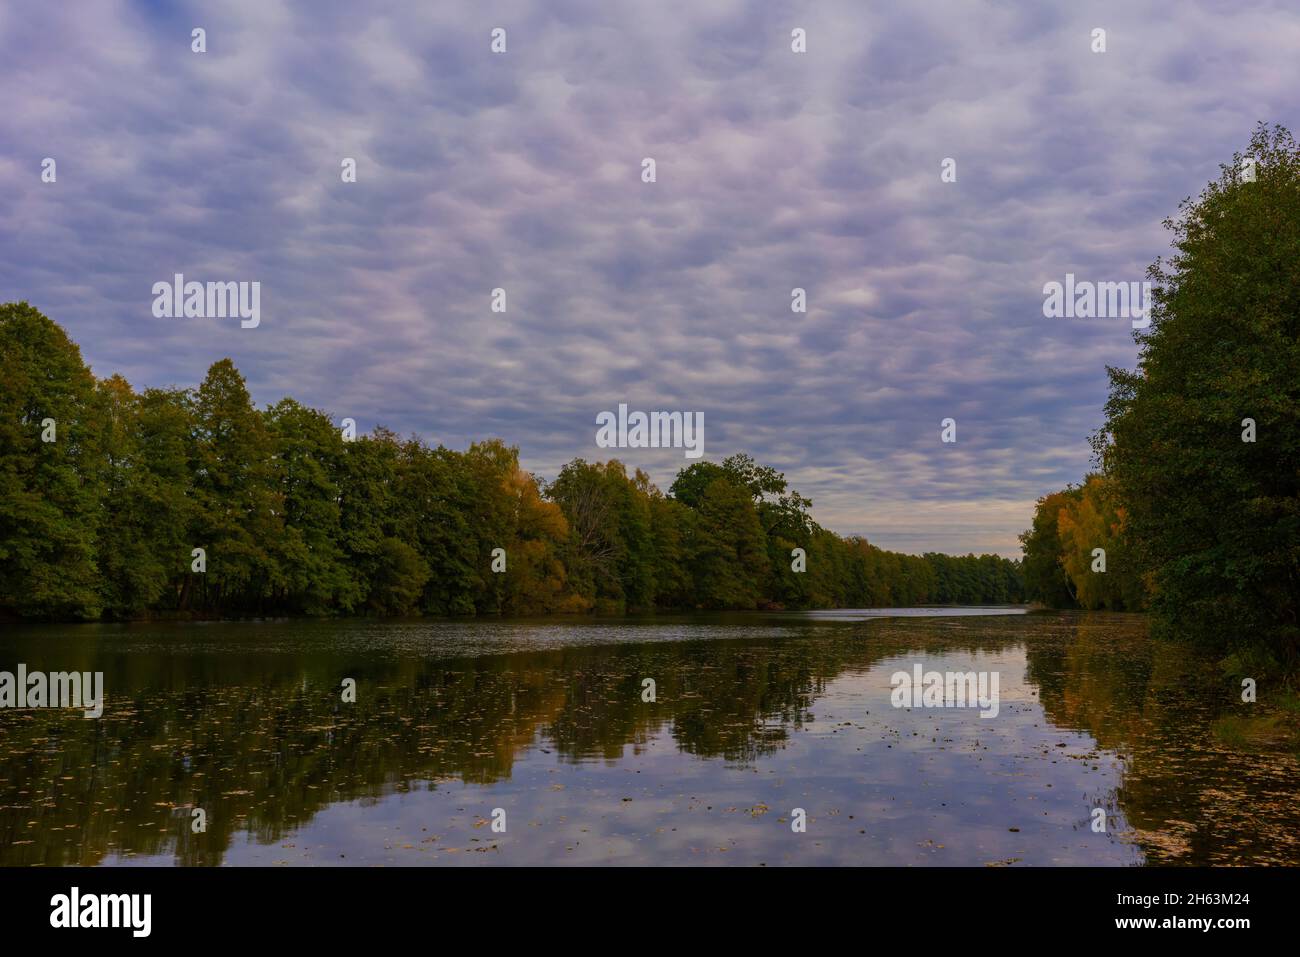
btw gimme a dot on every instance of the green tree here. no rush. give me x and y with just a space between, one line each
436 497
1214 520
307 464
294 519
726 551
612 539
240 509
398 578
163 491
671 524
49 490
142 540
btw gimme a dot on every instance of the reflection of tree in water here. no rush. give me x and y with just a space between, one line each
262 742
726 699
1093 673
1189 798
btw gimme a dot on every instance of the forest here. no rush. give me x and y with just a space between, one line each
1196 499
191 502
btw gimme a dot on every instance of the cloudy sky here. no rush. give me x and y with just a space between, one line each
522 170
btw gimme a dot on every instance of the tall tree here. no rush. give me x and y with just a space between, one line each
143 542
306 468
1213 500
50 470
726 549
240 509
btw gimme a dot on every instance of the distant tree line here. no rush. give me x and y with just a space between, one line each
1197 502
106 494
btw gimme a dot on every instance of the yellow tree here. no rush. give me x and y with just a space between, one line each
1094 550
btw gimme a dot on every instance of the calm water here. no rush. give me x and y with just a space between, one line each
755 715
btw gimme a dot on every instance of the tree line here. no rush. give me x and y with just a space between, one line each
119 503
1196 501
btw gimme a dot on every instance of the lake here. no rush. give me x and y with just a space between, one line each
543 727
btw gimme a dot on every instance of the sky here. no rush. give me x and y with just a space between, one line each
523 170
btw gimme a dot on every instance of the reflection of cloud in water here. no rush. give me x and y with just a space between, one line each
546 720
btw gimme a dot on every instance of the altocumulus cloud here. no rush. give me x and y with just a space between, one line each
522 171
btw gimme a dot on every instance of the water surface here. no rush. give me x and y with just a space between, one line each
754 716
